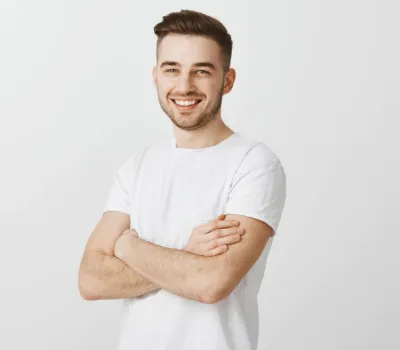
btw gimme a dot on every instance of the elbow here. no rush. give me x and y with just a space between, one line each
87 293
89 285
211 285
214 296
215 292
210 299
87 288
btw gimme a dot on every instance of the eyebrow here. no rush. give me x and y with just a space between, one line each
205 64
198 64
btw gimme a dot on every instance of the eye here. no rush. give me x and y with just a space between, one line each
203 72
171 70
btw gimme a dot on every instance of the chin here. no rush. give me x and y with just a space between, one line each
191 123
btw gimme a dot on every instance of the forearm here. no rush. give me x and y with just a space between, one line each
179 272
107 277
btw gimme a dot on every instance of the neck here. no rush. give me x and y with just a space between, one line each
213 133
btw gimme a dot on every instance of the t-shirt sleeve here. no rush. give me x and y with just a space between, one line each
258 188
119 197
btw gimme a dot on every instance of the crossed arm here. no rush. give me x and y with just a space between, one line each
205 279
119 267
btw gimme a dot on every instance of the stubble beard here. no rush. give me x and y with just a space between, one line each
193 123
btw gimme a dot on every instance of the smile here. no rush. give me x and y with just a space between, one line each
186 104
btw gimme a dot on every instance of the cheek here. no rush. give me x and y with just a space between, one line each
209 88
165 86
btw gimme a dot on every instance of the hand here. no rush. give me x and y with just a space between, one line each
123 241
214 237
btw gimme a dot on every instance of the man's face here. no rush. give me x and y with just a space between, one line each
190 80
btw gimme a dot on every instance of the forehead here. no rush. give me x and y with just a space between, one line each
189 49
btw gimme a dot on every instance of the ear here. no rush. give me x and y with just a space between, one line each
230 78
155 76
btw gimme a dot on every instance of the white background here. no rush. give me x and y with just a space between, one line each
318 82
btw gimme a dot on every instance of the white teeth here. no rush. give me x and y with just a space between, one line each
185 103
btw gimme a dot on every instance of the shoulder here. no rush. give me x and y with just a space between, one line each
256 154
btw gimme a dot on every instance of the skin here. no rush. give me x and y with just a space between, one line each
177 75
103 276
116 262
190 68
201 278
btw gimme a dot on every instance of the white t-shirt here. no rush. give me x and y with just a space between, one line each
168 191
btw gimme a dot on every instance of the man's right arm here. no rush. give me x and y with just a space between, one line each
101 274
104 276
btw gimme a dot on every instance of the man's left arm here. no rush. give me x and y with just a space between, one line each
205 279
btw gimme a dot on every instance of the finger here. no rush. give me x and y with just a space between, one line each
228 240
222 233
221 241
216 251
215 225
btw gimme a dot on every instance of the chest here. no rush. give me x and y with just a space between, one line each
171 197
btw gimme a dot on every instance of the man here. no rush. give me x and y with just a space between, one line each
187 219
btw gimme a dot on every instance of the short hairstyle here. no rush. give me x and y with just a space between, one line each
196 23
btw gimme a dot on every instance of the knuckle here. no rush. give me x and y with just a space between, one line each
233 238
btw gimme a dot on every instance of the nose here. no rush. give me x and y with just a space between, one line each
184 83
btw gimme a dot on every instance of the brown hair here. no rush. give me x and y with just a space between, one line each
196 23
